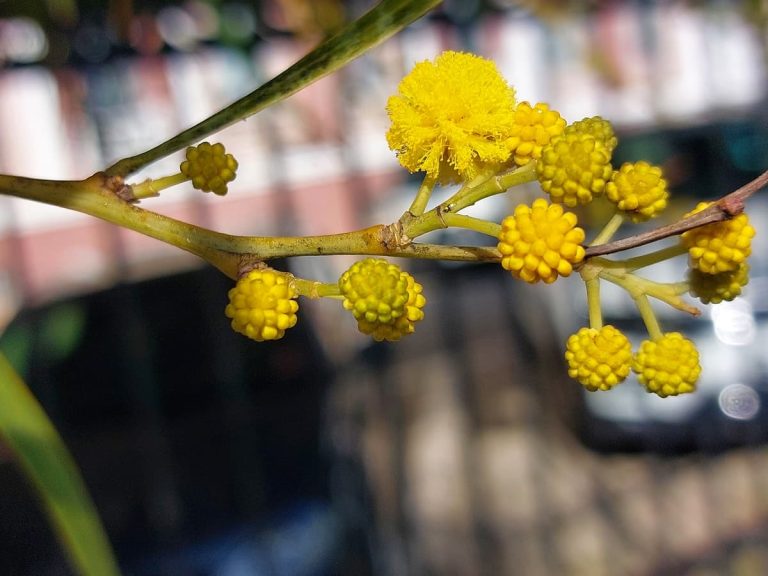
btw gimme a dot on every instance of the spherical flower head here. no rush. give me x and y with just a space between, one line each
386 301
540 242
532 129
574 168
720 246
599 359
596 126
667 366
452 117
262 305
716 288
209 167
639 190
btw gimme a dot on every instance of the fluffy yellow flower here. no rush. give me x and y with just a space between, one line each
452 117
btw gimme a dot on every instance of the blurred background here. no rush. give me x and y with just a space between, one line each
464 450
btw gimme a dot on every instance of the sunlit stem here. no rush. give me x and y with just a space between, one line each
648 316
654 257
312 289
608 230
490 187
152 187
470 223
422 196
593 303
467 196
637 286
642 261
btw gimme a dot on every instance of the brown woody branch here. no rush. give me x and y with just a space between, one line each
727 207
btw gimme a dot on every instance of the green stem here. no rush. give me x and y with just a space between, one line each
637 286
649 317
94 197
422 196
312 289
655 257
225 251
609 229
434 219
384 20
43 457
643 260
490 187
152 187
468 222
593 303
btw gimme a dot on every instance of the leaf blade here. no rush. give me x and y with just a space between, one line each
49 466
384 20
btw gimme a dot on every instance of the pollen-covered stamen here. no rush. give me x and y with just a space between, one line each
451 118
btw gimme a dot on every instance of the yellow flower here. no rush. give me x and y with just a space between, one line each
386 301
599 359
262 305
451 117
715 288
639 190
720 246
533 128
574 168
667 366
596 126
209 167
540 242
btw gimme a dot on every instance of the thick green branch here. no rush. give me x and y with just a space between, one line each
98 196
387 18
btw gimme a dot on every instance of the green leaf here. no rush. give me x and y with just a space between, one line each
47 463
387 18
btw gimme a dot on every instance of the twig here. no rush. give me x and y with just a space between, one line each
727 207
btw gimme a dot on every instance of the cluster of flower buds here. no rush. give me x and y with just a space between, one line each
441 126
456 119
